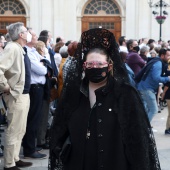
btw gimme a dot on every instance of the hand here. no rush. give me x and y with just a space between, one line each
42 63
55 78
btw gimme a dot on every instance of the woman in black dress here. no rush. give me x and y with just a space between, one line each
101 113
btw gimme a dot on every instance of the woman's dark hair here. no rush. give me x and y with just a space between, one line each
121 40
99 51
151 46
129 44
151 41
44 39
58 39
139 41
58 46
72 48
68 42
44 33
123 55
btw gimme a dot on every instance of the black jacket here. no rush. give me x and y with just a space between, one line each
145 70
53 65
27 73
124 137
50 82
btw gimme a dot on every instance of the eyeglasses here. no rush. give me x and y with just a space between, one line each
94 64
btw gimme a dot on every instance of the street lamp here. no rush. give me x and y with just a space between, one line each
161 15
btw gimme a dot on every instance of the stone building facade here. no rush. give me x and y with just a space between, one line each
68 18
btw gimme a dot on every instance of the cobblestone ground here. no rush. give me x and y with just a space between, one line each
162 141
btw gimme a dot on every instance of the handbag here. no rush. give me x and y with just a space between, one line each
65 151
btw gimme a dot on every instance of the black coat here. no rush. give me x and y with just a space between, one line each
110 150
124 137
54 67
50 82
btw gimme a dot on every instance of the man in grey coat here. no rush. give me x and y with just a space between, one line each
12 84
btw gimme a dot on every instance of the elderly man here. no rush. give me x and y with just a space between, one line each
15 84
38 79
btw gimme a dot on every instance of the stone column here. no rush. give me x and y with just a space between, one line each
123 27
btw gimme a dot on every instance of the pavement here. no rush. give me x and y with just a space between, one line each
162 141
163 145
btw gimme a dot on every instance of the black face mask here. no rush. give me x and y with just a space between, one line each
136 49
96 75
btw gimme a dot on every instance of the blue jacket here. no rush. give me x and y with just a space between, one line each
153 78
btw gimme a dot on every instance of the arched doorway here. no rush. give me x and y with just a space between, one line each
102 14
11 11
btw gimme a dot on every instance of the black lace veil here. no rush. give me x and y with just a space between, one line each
94 38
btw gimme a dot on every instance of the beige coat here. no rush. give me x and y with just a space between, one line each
12 69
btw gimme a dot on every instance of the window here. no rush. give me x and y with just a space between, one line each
12 5
105 5
3 25
105 25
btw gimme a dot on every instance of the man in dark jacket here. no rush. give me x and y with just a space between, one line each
135 62
150 80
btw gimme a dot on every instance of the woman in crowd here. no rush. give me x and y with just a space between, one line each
57 56
153 53
101 113
40 47
71 50
143 53
64 54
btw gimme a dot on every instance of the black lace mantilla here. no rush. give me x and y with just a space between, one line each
97 38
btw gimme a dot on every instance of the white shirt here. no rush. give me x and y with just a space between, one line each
123 49
142 45
57 58
38 71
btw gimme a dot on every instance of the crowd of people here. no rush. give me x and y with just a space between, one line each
148 61
30 84
71 98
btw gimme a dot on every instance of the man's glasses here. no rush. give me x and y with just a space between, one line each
94 64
